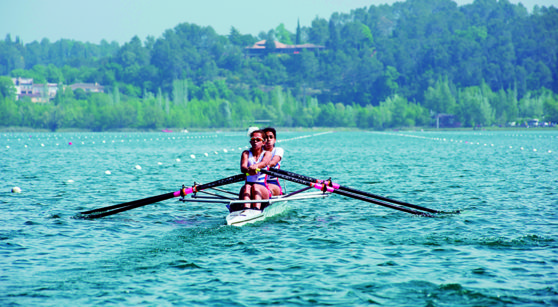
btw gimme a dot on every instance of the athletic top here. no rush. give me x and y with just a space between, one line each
260 177
277 151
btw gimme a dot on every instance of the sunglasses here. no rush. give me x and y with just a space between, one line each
256 140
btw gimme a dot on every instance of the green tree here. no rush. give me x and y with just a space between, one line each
7 89
440 98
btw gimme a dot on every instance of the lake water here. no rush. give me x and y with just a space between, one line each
501 250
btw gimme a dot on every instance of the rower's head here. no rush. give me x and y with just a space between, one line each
271 137
257 137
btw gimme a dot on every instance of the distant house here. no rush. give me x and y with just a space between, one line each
45 92
259 49
36 92
88 87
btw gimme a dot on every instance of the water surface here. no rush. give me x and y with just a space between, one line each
500 250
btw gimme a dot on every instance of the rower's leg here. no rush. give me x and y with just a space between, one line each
259 192
246 194
275 189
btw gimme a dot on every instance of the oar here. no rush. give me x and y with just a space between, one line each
114 209
364 193
340 192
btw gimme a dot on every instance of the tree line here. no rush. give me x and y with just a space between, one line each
486 63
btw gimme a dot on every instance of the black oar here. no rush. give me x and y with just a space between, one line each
110 210
343 193
364 193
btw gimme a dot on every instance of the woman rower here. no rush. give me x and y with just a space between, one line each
255 158
276 157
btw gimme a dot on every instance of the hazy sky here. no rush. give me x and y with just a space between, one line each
120 20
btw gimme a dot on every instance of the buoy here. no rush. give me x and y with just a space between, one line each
16 190
71 181
42 145
159 163
107 172
206 154
224 150
70 143
138 167
177 160
192 156
8 146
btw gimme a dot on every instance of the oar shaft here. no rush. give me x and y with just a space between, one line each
110 210
132 205
351 190
343 193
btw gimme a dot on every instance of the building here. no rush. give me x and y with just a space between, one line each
36 92
259 49
88 87
45 92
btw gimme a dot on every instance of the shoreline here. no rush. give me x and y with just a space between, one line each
284 129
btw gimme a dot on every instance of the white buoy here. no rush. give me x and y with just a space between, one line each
206 154
534 149
70 181
42 145
192 156
224 150
138 167
107 172
177 160
16 190
8 146
159 163
215 152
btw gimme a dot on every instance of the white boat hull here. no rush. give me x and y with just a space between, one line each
248 216
276 206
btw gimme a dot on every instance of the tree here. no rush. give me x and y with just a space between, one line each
440 98
298 39
7 89
283 35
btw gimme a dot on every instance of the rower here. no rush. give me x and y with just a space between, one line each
276 157
251 160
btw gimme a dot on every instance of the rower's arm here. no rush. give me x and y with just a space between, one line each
276 159
265 161
244 162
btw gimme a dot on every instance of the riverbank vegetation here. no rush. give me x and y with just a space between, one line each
414 63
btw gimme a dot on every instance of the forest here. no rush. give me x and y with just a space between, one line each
489 63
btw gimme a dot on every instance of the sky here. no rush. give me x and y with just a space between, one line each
120 20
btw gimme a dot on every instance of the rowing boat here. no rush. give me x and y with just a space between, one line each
273 206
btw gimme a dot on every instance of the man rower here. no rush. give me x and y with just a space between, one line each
255 158
276 157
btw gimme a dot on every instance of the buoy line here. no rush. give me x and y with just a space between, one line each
461 141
